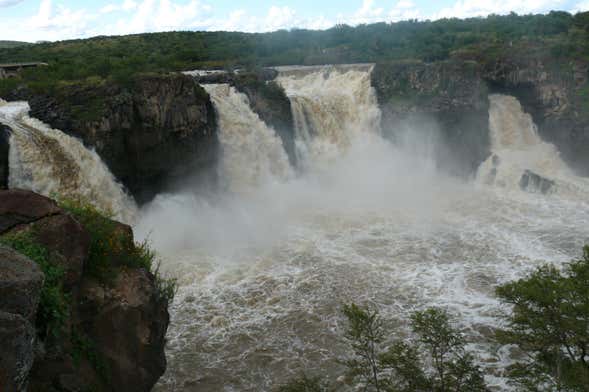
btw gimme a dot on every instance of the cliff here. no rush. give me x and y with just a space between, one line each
154 133
446 102
452 95
87 313
4 150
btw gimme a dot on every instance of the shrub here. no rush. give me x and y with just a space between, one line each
304 384
54 303
550 324
435 360
112 246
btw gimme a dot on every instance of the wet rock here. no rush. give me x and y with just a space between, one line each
19 207
4 150
534 183
17 354
154 134
20 283
67 242
128 324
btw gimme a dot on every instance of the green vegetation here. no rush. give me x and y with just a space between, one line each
481 39
54 302
112 246
548 321
550 324
12 44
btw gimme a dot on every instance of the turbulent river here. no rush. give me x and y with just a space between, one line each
265 265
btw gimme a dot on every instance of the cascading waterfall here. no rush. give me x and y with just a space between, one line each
50 162
262 274
331 106
519 155
251 151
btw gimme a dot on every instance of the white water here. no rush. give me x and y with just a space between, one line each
52 163
517 147
331 106
251 151
263 274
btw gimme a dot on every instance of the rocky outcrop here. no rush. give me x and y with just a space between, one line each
114 333
266 98
269 101
446 101
20 287
4 150
535 183
155 133
555 92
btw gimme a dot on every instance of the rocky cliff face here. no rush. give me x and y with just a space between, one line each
113 336
154 134
451 97
555 92
445 103
4 149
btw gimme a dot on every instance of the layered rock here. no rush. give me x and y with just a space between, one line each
114 334
445 100
153 134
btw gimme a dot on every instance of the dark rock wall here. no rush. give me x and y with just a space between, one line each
154 135
444 104
269 101
4 150
556 93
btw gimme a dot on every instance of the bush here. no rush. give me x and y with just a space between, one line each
435 360
112 246
550 324
54 303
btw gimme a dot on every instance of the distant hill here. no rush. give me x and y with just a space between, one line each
12 44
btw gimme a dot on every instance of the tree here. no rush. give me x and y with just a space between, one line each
550 324
434 360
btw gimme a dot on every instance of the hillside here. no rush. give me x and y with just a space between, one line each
557 35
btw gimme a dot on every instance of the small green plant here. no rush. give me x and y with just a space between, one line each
112 245
304 384
549 322
84 348
54 302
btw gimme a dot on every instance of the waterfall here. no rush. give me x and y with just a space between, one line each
52 163
251 151
331 105
520 159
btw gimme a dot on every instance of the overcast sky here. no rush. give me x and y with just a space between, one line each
33 20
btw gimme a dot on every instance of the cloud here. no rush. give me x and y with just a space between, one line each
8 3
472 8
126 5
583 6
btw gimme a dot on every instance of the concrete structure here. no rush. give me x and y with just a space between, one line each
8 70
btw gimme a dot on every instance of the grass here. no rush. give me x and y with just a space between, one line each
54 302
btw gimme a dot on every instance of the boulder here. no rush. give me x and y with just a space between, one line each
19 207
18 351
20 283
4 150
535 183
67 241
128 324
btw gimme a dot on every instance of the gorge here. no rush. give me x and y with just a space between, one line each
411 185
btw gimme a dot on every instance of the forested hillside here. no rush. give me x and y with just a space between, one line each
557 34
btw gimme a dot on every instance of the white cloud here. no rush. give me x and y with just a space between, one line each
367 13
472 8
403 10
126 5
582 6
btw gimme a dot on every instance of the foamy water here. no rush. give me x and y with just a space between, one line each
263 274
52 163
